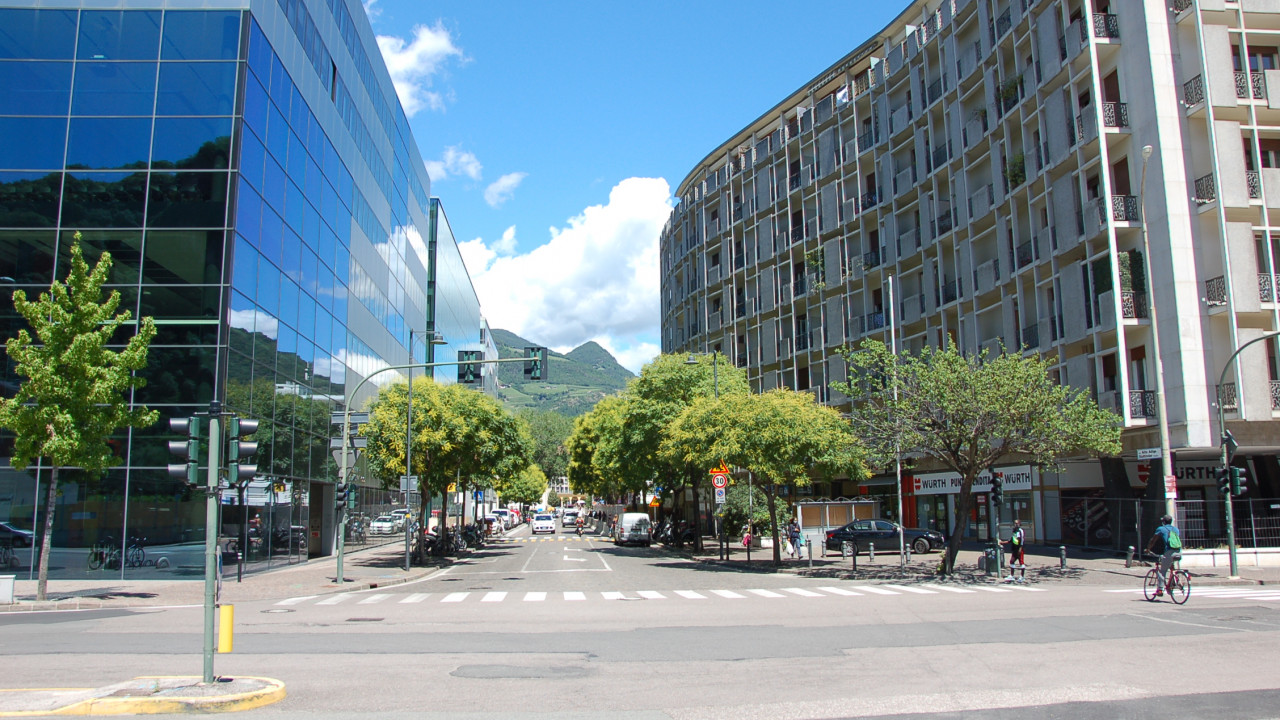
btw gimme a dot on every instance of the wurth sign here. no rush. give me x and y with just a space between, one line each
1017 478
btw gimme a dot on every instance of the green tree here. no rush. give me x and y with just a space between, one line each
493 447
737 510
527 487
76 390
595 466
969 413
783 437
550 432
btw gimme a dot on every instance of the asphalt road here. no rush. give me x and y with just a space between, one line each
576 628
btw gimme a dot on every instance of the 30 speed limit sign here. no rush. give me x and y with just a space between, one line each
719 479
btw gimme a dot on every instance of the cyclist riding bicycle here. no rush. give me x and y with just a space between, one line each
1167 543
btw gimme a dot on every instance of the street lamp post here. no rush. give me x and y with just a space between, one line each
1162 409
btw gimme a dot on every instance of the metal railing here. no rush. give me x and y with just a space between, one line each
1251 84
869 200
1215 291
1030 336
1115 114
1227 398
1003 24
950 291
866 140
1180 5
1193 91
1124 208
871 259
940 155
1117 523
1266 287
945 222
934 90
1142 403
871 321
1275 394
1206 189
1106 25
1253 179
1024 255
1134 304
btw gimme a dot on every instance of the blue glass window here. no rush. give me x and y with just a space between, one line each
32 143
288 303
280 82
260 53
26 256
345 187
277 135
256 106
108 143
272 228
329 207
29 199
103 199
306 317
201 35
244 276
182 256
196 89
268 287
119 35
297 162
291 251
313 179
252 159
188 199
114 88
294 210
274 184
331 161
37 34
248 213
125 248
35 88
192 143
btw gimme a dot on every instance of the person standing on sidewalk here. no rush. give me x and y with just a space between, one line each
1017 555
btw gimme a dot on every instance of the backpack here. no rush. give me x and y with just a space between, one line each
1175 542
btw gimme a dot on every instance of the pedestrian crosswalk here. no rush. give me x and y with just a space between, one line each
548 538
772 594
1233 592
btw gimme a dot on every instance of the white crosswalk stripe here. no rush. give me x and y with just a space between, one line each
571 595
373 599
909 589
614 595
535 596
984 588
876 590
1224 591
415 598
1024 588
803 593
333 600
455 597
691 595
295 600
948 588
766 593
728 594
839 591
494 597
651 595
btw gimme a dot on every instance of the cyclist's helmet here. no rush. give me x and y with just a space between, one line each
1167 520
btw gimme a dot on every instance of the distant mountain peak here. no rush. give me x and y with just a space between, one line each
577 380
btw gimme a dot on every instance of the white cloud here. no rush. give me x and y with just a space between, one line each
507 244
413 63
371 9
503 188
454 162
595 279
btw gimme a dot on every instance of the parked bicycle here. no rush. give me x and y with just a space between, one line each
1177 586
104 553
136 554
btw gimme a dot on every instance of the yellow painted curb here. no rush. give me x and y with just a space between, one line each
275 691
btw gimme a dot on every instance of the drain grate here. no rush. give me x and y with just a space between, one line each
364 619
271 611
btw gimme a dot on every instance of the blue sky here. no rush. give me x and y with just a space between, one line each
555 133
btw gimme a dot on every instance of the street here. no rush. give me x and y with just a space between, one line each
573 627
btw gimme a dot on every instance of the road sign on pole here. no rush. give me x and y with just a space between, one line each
719 496
1148 453
719 480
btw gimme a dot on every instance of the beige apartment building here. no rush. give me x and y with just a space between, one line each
985 159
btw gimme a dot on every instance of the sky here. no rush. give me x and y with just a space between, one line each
556 132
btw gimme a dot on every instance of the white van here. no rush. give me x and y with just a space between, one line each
633 528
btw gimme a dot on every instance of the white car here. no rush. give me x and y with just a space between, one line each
544 523
507 519
569 519
383 525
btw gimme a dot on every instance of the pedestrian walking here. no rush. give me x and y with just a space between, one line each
793 538
1017 556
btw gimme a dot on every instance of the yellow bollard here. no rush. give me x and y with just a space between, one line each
226 618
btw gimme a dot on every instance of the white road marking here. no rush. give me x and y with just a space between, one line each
1024 588
614 596
839 591
802 592
651 595
334 600
876 590
728 594
984 588
916 590
535 596
494 597
691 595
415 598
295 600
570 595
373 599
766 593
455 597
948 588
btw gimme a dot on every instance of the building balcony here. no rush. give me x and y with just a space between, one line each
1024 254
1206 189
1106 25
1115 114
866 140
869 200
904 181
1275 394
950 291
1180 5
1142 403
908 241
1134 304
871 321
1193 91
1251 84
941 155
945 222
1215 291
1029 336
1267 287
870 259
1124 208
1002 25
1254 181
933 91
1227 398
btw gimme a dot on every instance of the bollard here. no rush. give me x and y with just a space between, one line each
809 545
907 554
1062 553
226 618
1128 559
871 552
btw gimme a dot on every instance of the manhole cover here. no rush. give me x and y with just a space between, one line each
364 619
271 611
516 672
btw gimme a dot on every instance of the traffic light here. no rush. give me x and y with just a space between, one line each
535 363
1239 481
469 367
1224 480
240 472
341 492
997 490
353 496
188 450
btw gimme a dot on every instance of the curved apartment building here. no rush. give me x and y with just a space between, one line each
984 158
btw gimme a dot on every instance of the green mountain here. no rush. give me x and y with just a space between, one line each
575 382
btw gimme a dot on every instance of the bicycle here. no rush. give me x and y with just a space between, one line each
136 555
1178 584
104 553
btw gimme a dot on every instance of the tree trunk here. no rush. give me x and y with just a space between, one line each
444 522
964 506
46 542
771 498
697 509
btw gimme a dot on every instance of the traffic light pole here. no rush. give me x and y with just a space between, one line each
1226 460
344 469
211 537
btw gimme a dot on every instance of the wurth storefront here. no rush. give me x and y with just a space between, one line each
929 501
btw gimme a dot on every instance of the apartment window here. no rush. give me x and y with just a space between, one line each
1138 368
1268 152
1108 373
715 259
1261 57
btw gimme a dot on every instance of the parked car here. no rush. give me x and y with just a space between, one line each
569 518
544 523
508 520
15 537
383 525
633 528
884 534
401 514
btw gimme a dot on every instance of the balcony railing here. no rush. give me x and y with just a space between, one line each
866 140
1215 290
1193 91
870 259
1029 337
1134 304
1024 255
1106 25
934 90
1266 287
1115 114
872 321
1180 5
945 222
1002 26
1227 399
1206 189
869 200
1275 394
950 291
1142 403
1254 181
1124 208
940 155
1251 83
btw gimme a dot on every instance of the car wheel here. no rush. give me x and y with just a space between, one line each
920 546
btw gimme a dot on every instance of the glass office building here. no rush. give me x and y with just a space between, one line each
249 168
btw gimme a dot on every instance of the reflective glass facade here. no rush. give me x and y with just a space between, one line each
254 178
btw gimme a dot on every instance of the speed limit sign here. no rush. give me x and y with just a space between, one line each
719 479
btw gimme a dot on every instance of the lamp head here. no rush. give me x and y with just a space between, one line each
692 360
1146 151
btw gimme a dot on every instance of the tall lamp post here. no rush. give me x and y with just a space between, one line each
1162 410
715 380
435 338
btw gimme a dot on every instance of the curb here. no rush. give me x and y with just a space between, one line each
155 704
